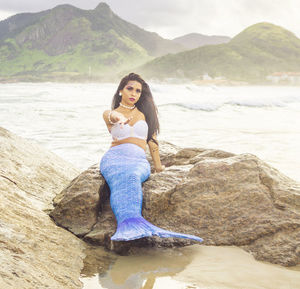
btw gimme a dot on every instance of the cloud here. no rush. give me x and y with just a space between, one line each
5 14
210 17
172 18
37 5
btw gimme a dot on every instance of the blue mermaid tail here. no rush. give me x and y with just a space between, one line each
125 167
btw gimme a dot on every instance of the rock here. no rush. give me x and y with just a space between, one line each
83 204
227 199
34 252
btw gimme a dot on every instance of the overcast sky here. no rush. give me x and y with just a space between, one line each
172 18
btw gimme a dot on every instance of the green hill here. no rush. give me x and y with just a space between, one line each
250 56
71 43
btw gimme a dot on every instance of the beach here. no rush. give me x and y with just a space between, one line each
67 119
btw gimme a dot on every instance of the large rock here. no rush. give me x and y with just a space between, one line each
224 198
83 204
34 252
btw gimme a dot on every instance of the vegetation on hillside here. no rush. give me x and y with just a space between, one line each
259 50
75 43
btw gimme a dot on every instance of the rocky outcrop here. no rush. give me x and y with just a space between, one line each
34 252
224 198
83 203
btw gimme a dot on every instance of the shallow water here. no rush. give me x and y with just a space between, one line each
67 119
197 266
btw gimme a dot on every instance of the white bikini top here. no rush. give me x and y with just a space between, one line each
139 130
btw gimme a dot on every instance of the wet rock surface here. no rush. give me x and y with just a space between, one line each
224 198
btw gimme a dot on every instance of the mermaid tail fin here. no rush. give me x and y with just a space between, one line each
135 228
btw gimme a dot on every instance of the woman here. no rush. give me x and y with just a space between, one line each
133 124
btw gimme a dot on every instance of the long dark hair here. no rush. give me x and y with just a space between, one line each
145 104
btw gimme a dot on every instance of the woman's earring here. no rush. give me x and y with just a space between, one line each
120 93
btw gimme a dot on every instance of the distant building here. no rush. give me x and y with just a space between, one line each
284 77
220 78
205 76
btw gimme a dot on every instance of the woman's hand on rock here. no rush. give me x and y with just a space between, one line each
159 169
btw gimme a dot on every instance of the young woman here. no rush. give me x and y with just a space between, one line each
133 124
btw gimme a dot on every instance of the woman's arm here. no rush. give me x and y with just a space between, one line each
154 151
105 117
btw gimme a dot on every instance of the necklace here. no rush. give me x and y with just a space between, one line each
130 107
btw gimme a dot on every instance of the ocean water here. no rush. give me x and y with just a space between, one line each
67 119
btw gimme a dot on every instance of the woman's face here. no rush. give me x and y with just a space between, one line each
131 92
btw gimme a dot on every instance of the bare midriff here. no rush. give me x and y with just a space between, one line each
138 141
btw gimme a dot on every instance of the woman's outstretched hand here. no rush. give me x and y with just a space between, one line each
120 118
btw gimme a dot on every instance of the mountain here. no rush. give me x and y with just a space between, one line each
250 56
68 41
194 40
